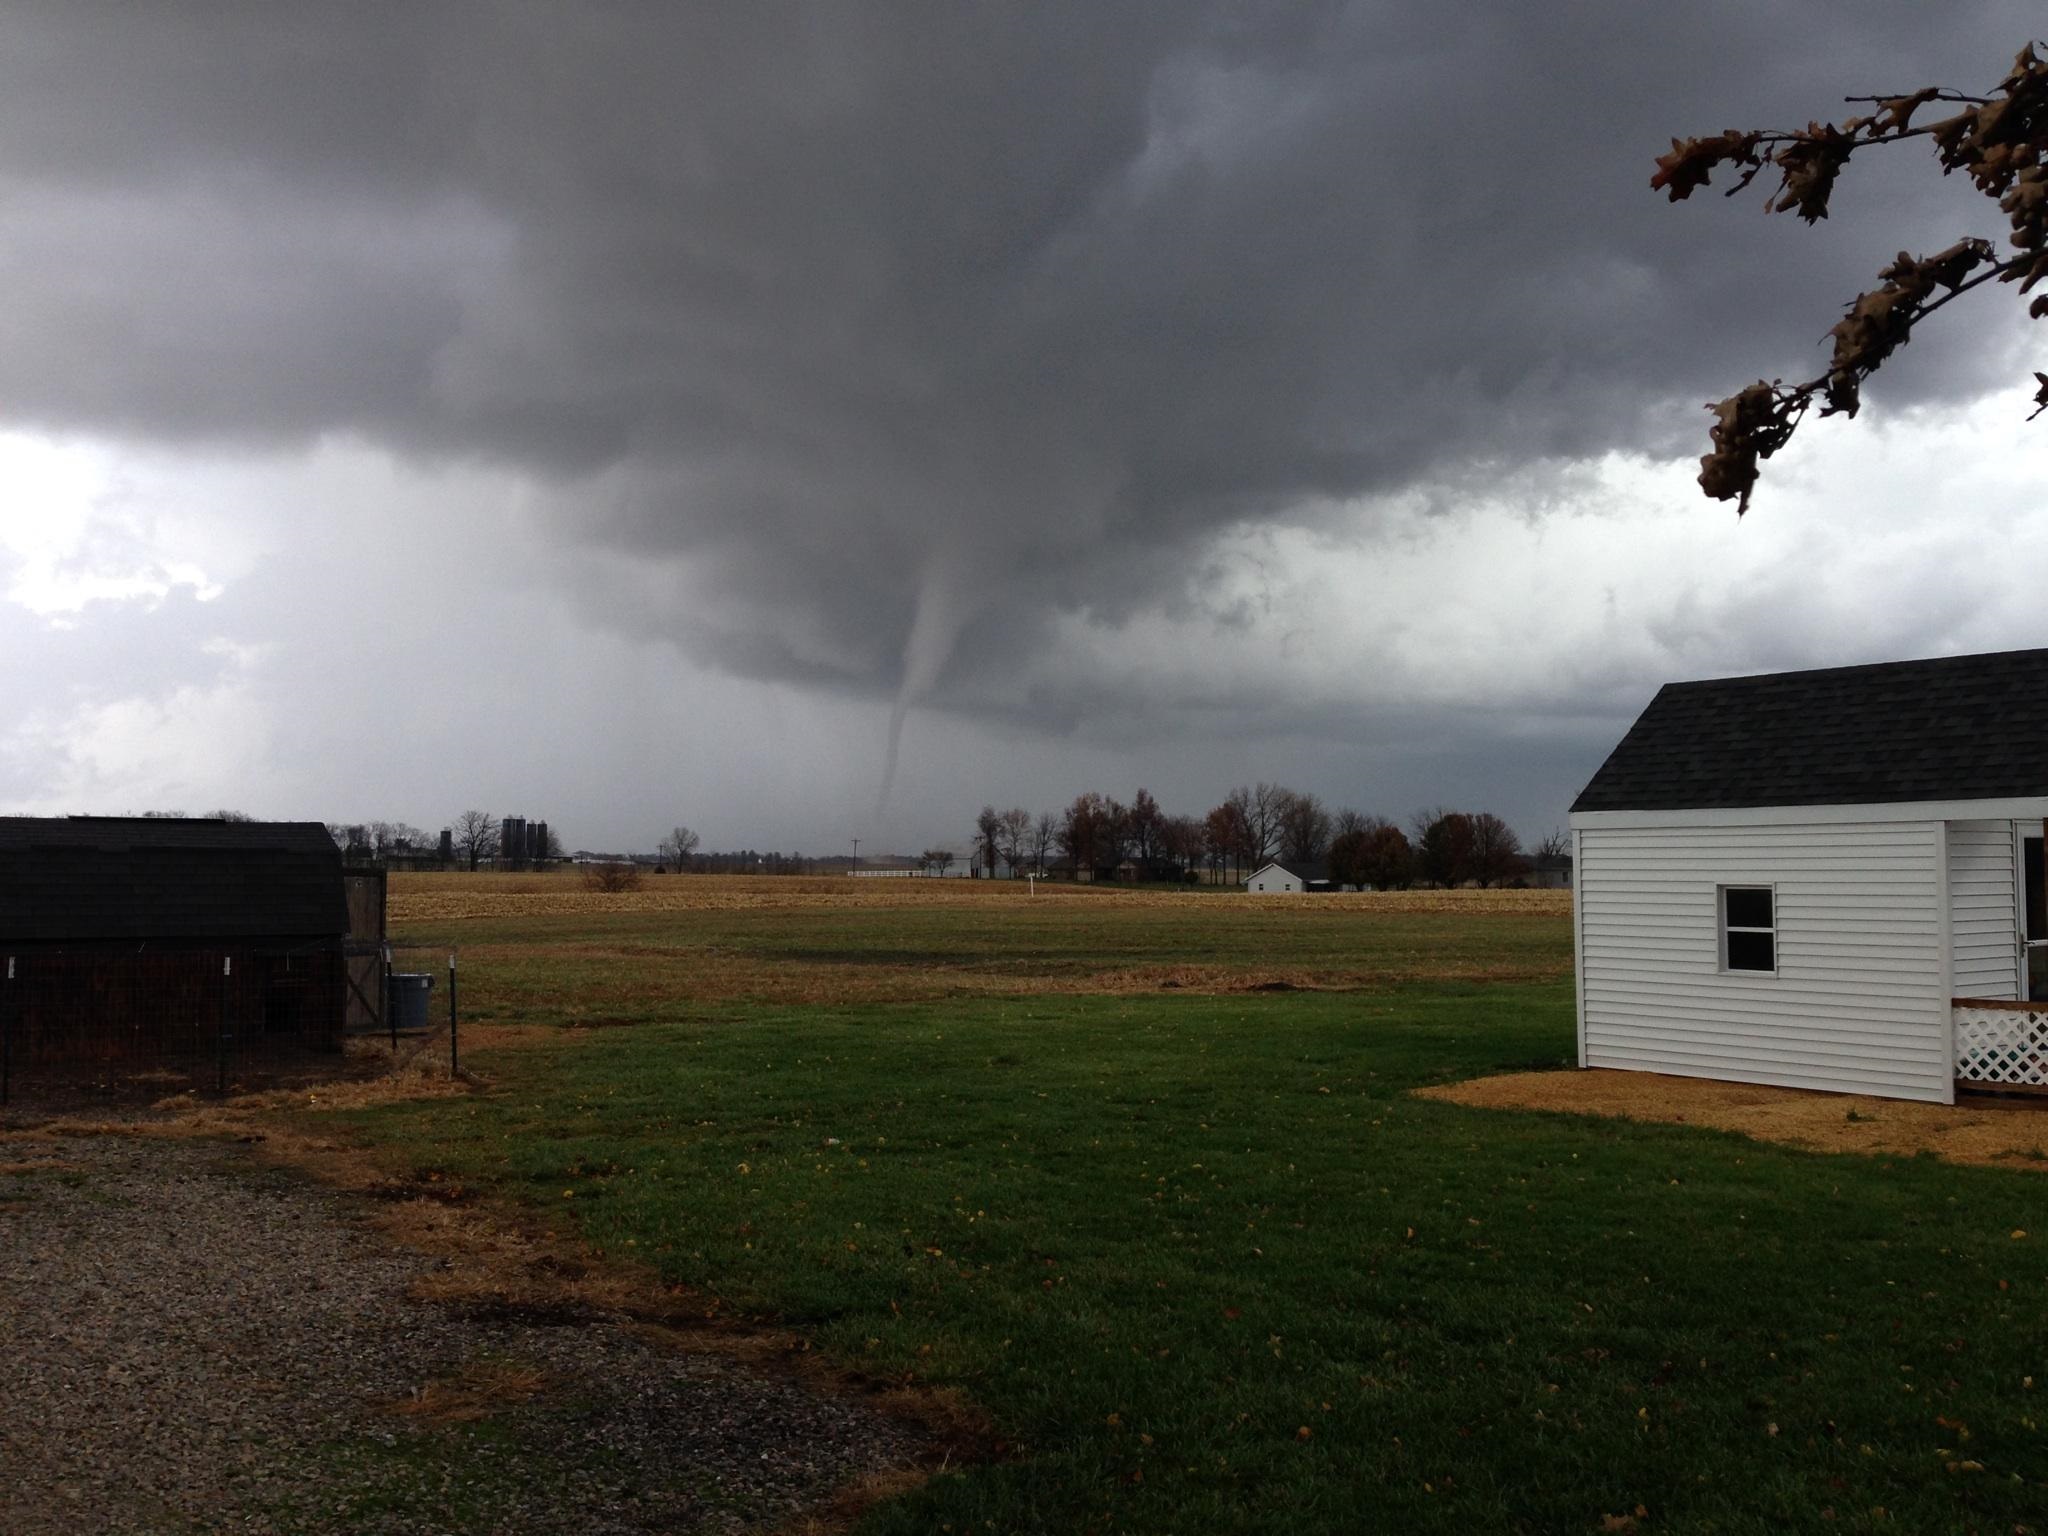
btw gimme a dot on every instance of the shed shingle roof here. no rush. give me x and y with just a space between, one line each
96 879
1954 728
1305 872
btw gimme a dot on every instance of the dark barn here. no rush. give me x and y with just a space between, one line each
133 941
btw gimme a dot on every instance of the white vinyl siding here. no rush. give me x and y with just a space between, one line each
1984 902
1857 1003
1271 878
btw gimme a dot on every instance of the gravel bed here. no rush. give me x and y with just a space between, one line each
189 1342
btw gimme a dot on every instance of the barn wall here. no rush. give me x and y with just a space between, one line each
1858 1003
120 1004
1984 901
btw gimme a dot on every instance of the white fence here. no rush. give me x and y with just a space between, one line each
2002 1042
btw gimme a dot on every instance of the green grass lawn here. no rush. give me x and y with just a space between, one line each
1209 1268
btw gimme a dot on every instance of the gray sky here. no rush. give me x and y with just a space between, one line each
614 413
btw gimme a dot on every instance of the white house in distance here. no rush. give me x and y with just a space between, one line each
1289 877
1827 879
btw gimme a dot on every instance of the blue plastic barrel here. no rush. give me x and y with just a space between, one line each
407 997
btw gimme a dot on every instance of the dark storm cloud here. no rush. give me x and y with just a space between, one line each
890 329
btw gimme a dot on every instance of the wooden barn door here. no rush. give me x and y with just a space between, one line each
363 950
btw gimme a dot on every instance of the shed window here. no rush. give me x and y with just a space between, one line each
1749 928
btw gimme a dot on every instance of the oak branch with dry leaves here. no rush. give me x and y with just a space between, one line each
1999 141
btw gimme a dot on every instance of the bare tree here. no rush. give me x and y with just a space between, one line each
1226 834
1146 824
1013 836
677 847
1558 845
1303 827
1257 809
940 859
1181 842
1262 819
476 837
1347 820
988 836
1080 830
1112 836
1427 817
1496 851
388 837
1999 141
352 838
1045 834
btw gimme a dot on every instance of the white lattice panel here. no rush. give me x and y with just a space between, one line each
2002 1045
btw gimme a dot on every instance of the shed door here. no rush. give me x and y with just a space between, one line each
2033 918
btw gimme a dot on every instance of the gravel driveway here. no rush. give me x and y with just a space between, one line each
190 1341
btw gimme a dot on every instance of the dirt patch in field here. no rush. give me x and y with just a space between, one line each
1998 1133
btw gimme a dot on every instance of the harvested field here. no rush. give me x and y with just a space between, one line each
543 949
420 899
1999 1134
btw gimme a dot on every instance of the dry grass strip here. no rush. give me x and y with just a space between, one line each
1995 1134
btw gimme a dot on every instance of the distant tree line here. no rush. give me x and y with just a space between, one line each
1095 837
751 861
475 839
368 840
1100 837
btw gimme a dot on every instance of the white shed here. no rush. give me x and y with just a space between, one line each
1827 879
1288 876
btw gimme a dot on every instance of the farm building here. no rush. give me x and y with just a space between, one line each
130 939
1289 876
1827 879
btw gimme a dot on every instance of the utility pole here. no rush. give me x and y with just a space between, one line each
856 853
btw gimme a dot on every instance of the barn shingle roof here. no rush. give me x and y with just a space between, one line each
1954 728
94 879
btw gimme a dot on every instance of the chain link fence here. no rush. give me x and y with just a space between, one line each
105 1021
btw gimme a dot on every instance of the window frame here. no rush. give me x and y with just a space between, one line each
1723 927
